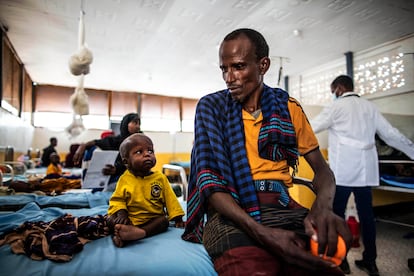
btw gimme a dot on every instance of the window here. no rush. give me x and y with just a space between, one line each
53 109
188 113
123 103
12 76
27 104
160 113
380 73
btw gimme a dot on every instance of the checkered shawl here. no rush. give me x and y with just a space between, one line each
219 158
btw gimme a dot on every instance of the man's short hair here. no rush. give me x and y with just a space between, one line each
256 38
344 80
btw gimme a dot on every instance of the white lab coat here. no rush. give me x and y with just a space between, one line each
352 122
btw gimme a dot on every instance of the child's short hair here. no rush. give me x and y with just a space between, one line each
129 142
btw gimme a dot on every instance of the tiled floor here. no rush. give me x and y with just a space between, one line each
395 244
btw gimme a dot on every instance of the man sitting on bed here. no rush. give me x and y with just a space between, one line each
136 208
246 137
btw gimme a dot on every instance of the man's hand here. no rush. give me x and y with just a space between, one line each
324 226
286 244
291 247
321 223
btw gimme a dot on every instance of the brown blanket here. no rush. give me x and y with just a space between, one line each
57 240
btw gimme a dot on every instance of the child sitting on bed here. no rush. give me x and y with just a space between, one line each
143 202
54 169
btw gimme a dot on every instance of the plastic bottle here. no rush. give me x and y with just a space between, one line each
353 225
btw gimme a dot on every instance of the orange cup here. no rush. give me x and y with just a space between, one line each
340 251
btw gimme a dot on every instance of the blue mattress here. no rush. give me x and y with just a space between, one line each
69 200
163 254
398 181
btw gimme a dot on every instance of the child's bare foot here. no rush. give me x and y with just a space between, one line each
124 232
117 241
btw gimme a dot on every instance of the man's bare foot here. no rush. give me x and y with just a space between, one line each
124 232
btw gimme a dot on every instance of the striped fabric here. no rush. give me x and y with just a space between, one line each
231 236
219 159
57 240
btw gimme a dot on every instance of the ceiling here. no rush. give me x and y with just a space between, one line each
170 47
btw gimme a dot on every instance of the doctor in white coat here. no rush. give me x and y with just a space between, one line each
352 123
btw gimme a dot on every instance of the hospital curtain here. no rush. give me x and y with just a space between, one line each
123 103
98 101
27 93
49 98
188 107
12 76
160 112
27 98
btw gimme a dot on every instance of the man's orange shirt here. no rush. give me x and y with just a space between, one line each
266 169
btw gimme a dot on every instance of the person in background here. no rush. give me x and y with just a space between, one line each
69 157
143 201
352 123
49 150
130 124
246 138
54 170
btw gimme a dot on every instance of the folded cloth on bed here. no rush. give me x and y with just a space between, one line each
57 240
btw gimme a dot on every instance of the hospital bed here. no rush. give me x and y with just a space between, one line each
392 182
163 254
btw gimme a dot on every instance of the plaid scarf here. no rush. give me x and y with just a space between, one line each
219 158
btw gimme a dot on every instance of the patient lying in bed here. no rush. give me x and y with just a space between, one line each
143 202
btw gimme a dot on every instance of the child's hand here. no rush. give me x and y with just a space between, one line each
122 220
111 221
179 222
122 217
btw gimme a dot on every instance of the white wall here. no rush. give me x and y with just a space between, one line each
15 132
